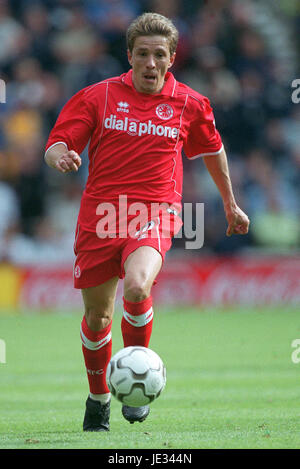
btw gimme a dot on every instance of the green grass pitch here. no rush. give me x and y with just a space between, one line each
231 382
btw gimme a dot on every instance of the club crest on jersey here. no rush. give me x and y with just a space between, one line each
164 111
77 271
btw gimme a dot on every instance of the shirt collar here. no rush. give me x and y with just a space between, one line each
168 89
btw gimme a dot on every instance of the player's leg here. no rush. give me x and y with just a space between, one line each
141 268
96 346
99 304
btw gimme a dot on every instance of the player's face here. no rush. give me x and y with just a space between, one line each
150 60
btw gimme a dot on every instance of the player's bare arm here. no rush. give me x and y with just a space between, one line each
62 159
238 221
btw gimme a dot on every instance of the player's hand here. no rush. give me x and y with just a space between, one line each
238 222
69 161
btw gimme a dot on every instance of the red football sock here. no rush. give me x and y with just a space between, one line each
137 322
96 348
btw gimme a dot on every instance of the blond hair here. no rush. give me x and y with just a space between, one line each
152 24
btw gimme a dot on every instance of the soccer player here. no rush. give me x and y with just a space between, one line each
137 125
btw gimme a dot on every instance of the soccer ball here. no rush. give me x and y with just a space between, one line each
136 376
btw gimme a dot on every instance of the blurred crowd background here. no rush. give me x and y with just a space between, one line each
243 55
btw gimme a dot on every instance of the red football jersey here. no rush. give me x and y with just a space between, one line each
135 140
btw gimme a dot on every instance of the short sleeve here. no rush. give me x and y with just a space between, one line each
75 123
202 138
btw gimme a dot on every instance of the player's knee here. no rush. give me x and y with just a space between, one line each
136 290
97 319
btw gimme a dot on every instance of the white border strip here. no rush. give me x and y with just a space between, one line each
102 126
90 345
176 144
157 231
53 145
139 320
207 154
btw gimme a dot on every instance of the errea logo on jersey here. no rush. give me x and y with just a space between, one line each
123 107
134 127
